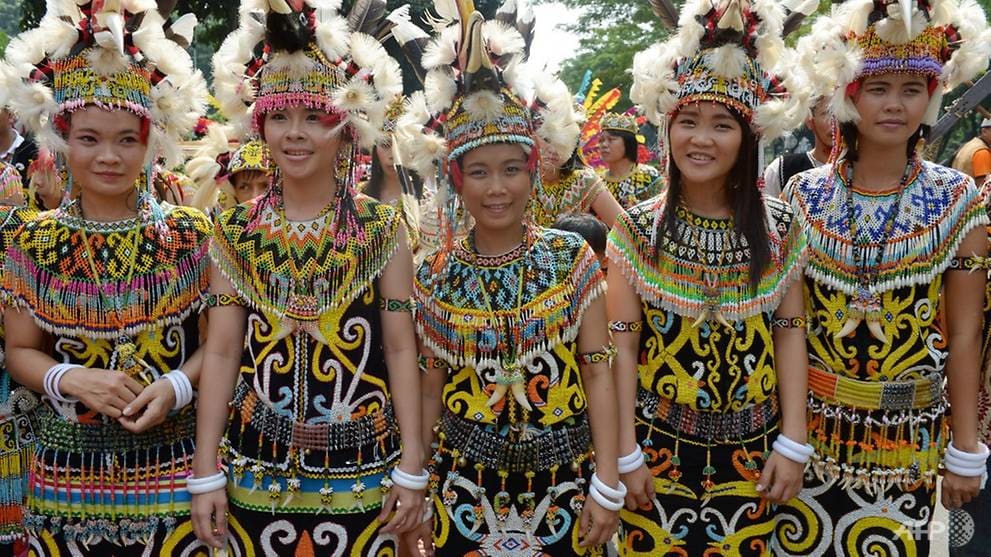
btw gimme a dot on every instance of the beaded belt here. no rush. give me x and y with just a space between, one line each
714 426
875 395
319 437
55 432
480 443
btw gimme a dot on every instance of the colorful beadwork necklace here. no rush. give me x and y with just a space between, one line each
866 304
712 308
302 302
509 376
124 354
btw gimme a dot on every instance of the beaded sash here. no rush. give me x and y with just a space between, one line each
718 427
875 395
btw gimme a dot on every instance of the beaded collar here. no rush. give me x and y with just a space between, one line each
674 279
48 272
274 269
940 207
560 279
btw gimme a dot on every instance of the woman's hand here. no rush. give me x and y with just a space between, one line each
959 490
597 524
781 478
105 391
422 533
209 514
639 488
149 408
408 507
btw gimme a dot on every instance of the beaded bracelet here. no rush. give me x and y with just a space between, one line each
788 322
428 363
390 304
625 326
182 387
199 486
972 263
632 461
409 481
220 300
599 356
52 379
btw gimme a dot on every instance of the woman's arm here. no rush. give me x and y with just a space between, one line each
107 392
964 303
624 305
222 357
399 342
593 337
605 206
781 478
432 381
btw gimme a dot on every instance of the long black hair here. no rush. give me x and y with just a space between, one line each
850 133
745 201
376 179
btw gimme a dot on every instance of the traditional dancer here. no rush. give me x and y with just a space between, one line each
629 181
326 385
106 288
703 298
887 232
226 177
512 319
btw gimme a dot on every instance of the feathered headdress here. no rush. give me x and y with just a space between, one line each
116 54
937 39
727 51
302 52
216 160
475 91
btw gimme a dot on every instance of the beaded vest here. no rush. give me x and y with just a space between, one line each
574 192
852 376
642 183
154 294
312 428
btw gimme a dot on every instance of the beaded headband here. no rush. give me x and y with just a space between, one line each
728 52
613 121
114 54
253 155
303 53
939 40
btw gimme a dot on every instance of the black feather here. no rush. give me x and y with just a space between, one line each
413 50
666 11
792 22
287 32
366 15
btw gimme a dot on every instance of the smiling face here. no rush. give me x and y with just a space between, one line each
705 142
106 152
496 187
891 108
302 142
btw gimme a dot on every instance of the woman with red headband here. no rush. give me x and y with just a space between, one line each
108 286
311 339
511 319
891 238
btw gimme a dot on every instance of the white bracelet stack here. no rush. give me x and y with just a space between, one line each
969 465
182 387
409 481
792 450
52 379
199 486
607 497
631 462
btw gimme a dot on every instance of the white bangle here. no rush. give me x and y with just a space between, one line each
52 379
182 387
410 481
631 462
792 450
617 494
199 486
966 471
603 501
978 458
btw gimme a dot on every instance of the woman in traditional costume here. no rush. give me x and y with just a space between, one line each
511 319
887 233
703 299
105 290
313 280
628 180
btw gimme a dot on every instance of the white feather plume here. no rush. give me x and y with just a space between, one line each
483 106
440 88
365 50
502 39
442 51
333 37
728 60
